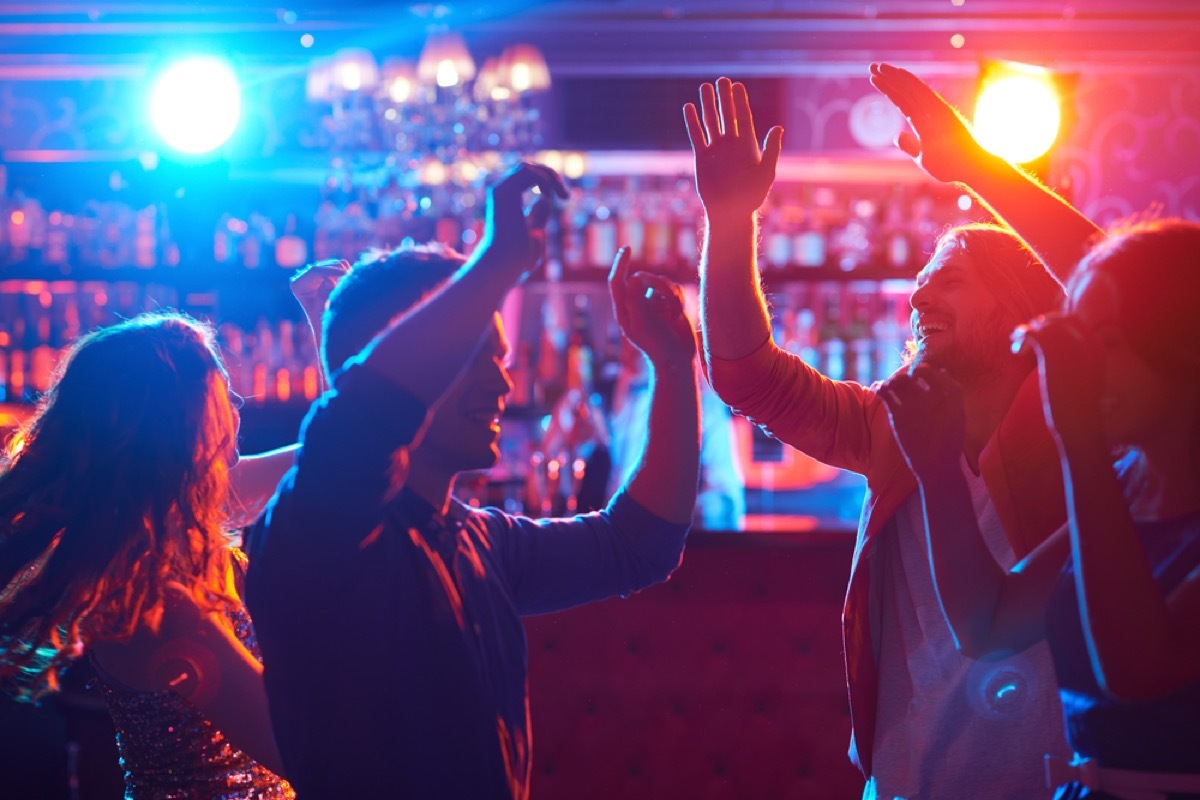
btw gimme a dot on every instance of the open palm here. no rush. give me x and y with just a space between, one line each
732 173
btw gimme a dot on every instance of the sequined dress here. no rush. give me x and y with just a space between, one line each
169 751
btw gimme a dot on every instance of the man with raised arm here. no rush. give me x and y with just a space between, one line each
927 720
388 613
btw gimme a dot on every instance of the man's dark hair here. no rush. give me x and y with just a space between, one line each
379 288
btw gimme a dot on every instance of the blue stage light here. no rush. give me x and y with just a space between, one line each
195 104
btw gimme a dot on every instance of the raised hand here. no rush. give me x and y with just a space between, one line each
732 174
312 286
941 141
514 236
925 407
1071 369
649 308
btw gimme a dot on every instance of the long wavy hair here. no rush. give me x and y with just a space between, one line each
1154 269
115 489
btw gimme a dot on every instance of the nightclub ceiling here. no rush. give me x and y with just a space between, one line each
628 37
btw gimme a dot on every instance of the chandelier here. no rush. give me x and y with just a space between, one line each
438 120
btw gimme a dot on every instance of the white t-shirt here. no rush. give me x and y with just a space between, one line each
948 726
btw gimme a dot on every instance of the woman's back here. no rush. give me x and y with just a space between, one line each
170 750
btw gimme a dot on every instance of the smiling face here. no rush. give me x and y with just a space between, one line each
465 430
957 324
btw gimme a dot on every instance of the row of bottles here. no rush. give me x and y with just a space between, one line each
104 235
855 330
857 229
39 318
565 340
658 217
876 229
272 362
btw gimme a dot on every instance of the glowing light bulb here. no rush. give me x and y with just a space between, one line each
1017 116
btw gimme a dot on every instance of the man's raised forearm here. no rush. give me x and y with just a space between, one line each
1054 229
668 471
733 313
426 349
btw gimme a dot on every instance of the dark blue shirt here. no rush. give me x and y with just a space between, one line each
395 658
1152 735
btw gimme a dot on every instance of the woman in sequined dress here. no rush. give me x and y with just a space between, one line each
115 502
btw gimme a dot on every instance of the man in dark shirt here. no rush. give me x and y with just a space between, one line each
388 614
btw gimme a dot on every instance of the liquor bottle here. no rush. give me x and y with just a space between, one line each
233 349
58 240
291 251
87 234
574 231
830 345
521 375
224 245
891 336
924 227
809 243
601 233
328 224
806 337
659 234
145 238
895 233
859 340
777 243
551 347
263 356
288 372
18 225
686 216
853 242
44 355
631 225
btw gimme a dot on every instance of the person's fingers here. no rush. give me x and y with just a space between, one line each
548 181
654 286
905 388
525 176
743 116
708 108
908 142
891 92
941 380
618 287
539 213
933 382
695 130
725 101
1055 332
772 147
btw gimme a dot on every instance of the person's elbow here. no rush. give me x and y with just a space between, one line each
668 566
652 556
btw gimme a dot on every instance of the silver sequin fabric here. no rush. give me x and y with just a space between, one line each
169 751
